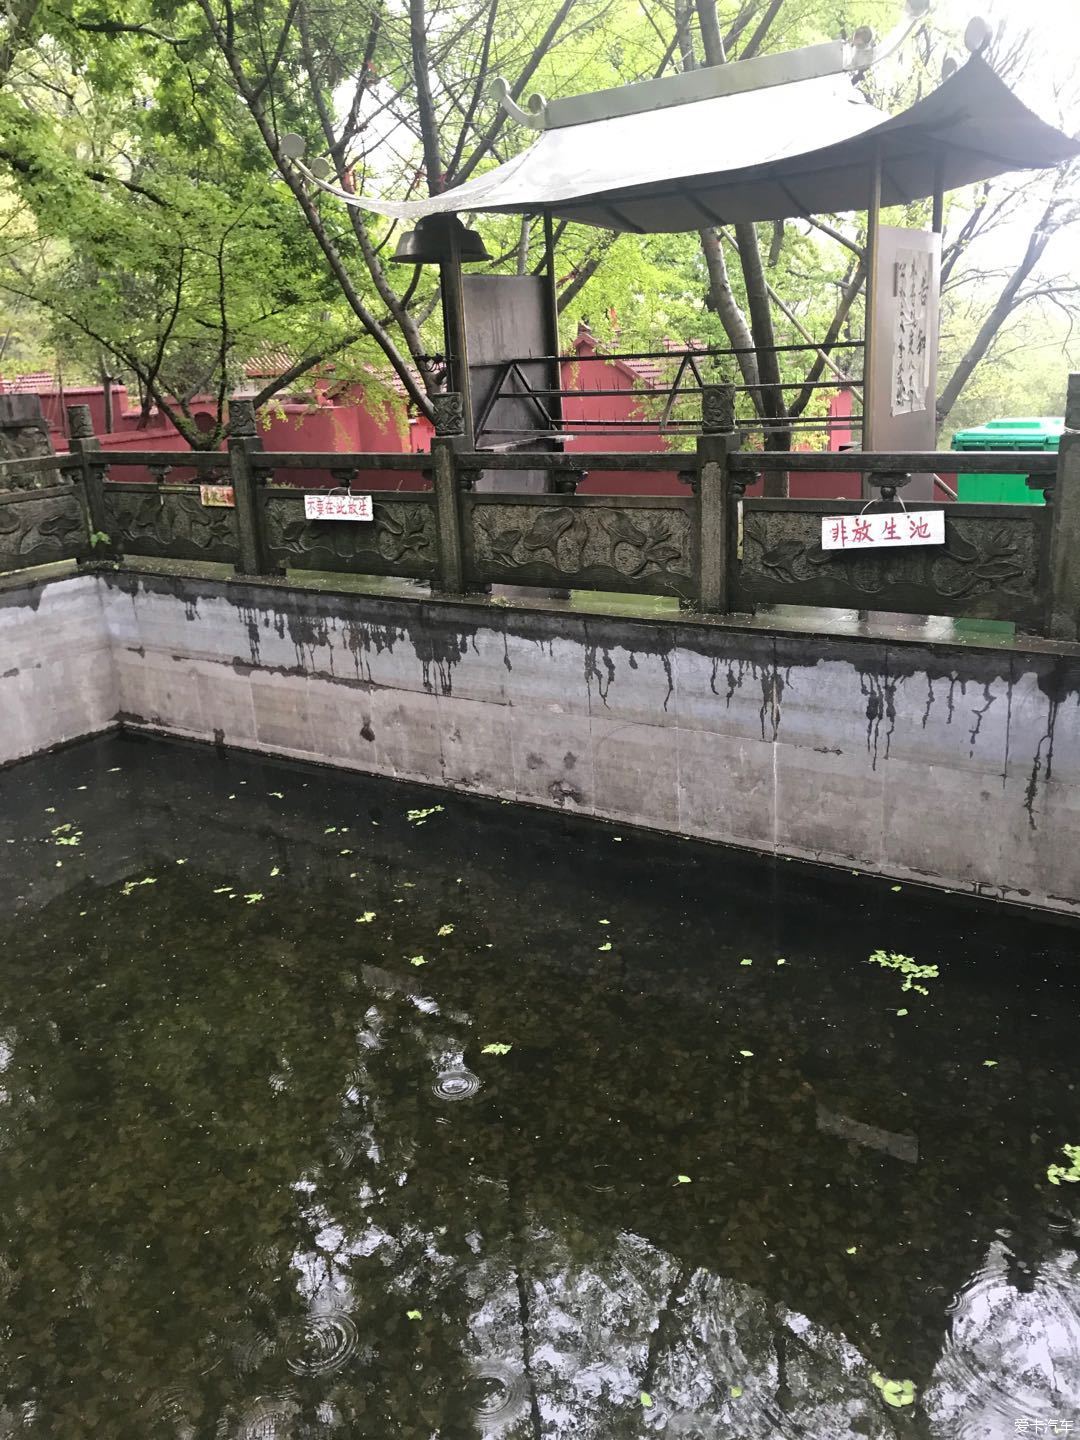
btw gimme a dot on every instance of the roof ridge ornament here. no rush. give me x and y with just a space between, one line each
811 62
499 90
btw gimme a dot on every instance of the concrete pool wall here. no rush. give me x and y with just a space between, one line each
954 764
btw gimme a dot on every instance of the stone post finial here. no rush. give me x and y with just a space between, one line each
1072 404
718 409
80 423
242 418
449 413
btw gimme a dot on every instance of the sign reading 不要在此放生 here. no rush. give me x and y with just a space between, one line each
337 507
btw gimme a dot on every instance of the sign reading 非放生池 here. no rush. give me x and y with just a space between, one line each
337 507
879 532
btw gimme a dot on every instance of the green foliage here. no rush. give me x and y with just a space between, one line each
898 1393
1069 1173
143 223
907 967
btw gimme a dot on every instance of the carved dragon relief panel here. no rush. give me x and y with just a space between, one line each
986 564
169 524
400 540
35 531
594 547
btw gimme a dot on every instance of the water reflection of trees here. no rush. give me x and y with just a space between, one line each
228 1180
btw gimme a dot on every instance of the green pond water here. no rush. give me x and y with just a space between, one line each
646 1145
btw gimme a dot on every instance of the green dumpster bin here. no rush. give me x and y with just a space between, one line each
990 489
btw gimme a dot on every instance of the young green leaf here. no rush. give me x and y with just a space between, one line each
1070 1173
646 1400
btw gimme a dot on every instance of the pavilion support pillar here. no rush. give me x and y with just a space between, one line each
458 380
871 326
551 322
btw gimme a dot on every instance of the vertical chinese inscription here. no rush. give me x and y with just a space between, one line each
914 280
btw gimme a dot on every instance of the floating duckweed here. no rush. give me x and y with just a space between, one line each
907 967
646 1400
419 817
894 1392
445 930
366 918
134 884
1071 1173
497 1048
606 946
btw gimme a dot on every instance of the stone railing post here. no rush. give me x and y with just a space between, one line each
449 439
718 495
84 444
1063 607
243 443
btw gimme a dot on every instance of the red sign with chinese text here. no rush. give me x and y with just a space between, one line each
218 495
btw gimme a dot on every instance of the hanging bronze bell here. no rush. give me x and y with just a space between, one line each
432 242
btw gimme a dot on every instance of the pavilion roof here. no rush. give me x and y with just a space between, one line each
800 148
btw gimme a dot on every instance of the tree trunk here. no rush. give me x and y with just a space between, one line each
722 301
757 299
771 402
425 104
1003 308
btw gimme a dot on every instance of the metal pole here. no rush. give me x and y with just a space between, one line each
551 316
871 327
938 224
458 380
